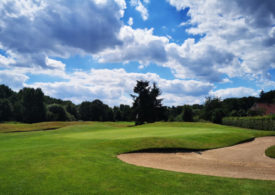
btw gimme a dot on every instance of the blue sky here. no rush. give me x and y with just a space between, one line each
86 49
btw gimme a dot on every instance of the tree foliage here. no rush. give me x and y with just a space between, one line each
56 112
33 108
147 107
5 92
95 111
31 105
5 110
268 97
187 113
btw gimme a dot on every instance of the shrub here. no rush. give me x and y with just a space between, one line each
259 122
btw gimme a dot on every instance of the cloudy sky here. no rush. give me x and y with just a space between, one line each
87 49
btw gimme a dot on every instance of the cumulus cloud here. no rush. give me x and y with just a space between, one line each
35 29
238 37
14 80
55 64
241 32
237 40
114 86
234 92
187 61
138 45
234 42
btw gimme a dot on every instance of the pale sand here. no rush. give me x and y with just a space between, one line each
247 160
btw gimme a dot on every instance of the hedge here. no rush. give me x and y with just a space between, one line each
259 122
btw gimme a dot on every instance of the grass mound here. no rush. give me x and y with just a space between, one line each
270 151
81 158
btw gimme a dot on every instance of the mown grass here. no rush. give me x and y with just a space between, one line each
81 158
270 151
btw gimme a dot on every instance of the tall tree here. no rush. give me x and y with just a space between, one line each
146 107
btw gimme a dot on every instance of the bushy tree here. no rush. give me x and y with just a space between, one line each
126 112
146 107
33 108
268 97
5 92
72 110
117 114
187 113
217 115
174 113
95 111
213 110
5 110
57 112
85 111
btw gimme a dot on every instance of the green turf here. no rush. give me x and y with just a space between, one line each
81 159
270 152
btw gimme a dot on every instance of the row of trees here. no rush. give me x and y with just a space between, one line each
31 105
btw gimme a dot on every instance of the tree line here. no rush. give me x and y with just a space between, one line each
32 105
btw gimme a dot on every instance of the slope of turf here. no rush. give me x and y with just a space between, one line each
82 159
270 152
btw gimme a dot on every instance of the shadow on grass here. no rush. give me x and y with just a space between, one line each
176 150
18 131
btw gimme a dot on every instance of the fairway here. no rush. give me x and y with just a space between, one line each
80 158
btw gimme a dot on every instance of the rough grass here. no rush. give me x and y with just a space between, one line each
22 127
81 159
270 152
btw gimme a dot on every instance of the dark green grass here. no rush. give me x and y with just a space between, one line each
270 152
81 159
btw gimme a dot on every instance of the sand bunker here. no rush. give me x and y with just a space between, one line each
247 160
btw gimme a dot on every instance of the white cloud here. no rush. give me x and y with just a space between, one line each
114 86
19 8
138 45
187 61
14 80
55 64
242 29
235 92
140 8
235 42
143 11
131 21
6 61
